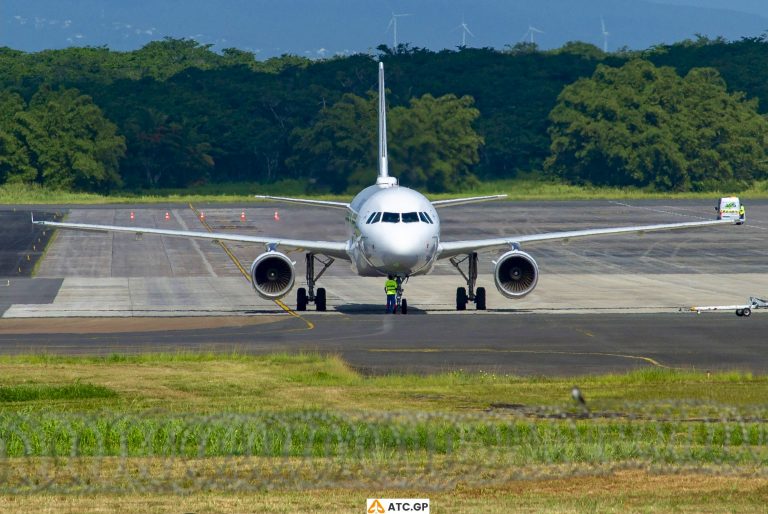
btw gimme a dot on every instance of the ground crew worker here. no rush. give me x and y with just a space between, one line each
742 212
390 286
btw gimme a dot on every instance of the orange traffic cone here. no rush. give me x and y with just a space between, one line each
242 216
277 216
167 216
202 216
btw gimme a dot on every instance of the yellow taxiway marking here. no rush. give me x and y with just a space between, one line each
534 352
247 275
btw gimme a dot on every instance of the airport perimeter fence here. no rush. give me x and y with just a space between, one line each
155 452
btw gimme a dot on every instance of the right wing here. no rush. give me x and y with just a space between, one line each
329 248
453 248
316 203
461 201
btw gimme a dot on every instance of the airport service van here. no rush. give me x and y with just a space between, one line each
729 208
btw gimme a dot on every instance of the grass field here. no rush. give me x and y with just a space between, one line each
206 383
517 189
296 433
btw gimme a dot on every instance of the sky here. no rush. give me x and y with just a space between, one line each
323 28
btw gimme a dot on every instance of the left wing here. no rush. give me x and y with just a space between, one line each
329 248
452 248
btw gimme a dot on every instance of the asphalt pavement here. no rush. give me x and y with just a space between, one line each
519 344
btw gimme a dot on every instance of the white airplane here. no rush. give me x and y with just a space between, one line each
393 230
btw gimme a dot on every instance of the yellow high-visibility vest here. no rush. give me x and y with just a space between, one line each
390 286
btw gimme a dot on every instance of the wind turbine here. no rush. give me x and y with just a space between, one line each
531 31
464 31
605 35
393 24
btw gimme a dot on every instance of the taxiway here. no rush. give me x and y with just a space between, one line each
602 304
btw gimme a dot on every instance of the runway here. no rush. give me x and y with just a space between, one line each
602 305
515 344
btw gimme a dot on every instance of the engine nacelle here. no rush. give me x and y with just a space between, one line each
272 275
516 274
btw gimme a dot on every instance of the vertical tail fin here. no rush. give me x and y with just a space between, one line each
384 178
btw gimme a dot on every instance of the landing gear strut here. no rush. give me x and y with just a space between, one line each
302 295
401 303
463 296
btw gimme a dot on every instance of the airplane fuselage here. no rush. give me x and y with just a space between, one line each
392 230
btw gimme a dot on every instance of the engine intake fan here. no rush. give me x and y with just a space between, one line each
516 274
272 275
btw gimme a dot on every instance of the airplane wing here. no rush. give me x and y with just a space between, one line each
452 248
329 248
461 201
316 203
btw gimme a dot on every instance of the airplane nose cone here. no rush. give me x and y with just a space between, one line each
402 254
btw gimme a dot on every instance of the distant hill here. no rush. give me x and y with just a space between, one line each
324 28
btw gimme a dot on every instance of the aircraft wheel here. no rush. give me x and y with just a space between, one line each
301 299
404 306
461 299
747 313
739 312
320 299
480 299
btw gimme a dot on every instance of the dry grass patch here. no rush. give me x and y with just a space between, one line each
625 491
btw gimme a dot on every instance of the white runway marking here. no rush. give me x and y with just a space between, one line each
195 245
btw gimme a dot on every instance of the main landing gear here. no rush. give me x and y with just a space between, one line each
303 297
464 296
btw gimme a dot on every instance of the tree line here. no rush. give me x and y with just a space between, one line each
175 114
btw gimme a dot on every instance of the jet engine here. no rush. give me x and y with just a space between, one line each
272 275
516 274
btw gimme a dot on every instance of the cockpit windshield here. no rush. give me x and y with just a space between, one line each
397 217
390 217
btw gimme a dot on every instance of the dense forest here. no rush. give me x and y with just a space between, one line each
173 114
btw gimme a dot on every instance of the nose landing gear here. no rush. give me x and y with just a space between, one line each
401 304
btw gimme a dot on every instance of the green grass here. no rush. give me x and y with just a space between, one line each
206 383
524 188
37 392
515 441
